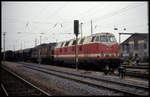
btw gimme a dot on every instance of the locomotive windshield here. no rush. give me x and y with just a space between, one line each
107 39
103 39
112 39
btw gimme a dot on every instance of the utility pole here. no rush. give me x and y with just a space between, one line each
119 45
4 46
91 28
40 39
40 47
21 45
35 42
81 30
16 44
21 51
14 47
40 51
24 44
119 38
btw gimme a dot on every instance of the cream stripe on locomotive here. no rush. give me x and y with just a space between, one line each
88 55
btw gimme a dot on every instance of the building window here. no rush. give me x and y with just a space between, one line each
135 45
131 46
145 46
123 47
127 48
145 54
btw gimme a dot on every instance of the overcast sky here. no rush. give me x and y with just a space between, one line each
24 21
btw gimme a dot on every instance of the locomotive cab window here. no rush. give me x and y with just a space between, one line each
97 38
62 44
82 40
74 41
112 39
103 38
93 38
67 43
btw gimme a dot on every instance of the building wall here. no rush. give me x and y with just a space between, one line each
136 44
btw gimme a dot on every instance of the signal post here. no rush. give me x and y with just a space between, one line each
76 32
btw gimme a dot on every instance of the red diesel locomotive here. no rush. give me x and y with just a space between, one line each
99 49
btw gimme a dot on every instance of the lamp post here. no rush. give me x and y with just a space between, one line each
40 52
81 29
40 48
4 46
21 46
91 27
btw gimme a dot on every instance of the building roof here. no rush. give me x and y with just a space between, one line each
144 35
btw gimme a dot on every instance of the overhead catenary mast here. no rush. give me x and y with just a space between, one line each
91 28
35 42
81 30
4 46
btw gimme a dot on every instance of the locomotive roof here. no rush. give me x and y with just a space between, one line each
103 33
45 45
27 49
23 50
8 51
86 39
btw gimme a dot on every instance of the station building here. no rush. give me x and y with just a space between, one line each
137 43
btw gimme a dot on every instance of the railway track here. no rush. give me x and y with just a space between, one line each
139 71
14 85
137 67
138 74
116 86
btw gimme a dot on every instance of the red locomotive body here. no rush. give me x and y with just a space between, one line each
100 49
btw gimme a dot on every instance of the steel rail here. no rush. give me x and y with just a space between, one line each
91 77
89 83
4 89
42 91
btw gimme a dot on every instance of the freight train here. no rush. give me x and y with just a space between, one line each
99 49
